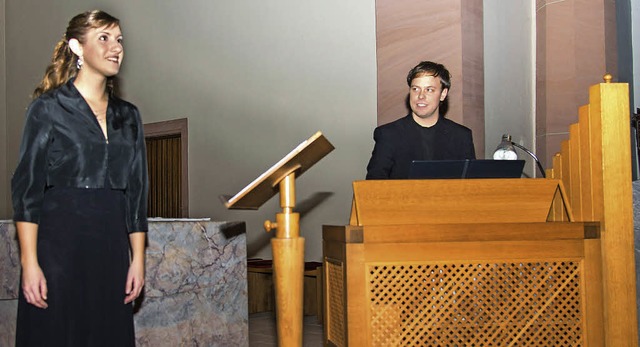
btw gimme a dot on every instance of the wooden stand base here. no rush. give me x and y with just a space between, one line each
288 271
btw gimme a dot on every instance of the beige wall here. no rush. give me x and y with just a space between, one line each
253 78
4 177
509 48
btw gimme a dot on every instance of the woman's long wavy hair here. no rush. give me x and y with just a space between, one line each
63 62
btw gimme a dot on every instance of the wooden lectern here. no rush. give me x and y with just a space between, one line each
287 246
460 263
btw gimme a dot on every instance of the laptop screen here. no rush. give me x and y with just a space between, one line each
476 168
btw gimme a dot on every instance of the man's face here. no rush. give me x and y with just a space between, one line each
425 95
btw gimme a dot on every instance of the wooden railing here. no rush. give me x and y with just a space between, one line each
594 165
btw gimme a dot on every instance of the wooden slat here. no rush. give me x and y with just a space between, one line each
557 209
566 167
479 232
423 233
574 162
512 251
586 172
595 124
593 303
617 214
385 202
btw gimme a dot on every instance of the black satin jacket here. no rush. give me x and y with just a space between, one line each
63 145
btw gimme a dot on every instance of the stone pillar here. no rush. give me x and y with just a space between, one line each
576 47
195 289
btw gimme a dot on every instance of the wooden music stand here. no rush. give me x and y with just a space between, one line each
287 246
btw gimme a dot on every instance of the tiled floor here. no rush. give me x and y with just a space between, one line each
262 330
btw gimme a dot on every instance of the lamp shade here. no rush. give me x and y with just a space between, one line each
505 150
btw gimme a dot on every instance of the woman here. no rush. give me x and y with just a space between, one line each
79 197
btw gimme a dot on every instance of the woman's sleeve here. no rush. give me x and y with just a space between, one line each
29 180
138 184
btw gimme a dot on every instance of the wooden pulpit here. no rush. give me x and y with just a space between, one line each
460 262
287 246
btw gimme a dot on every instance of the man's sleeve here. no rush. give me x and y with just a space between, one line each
381 161
470 152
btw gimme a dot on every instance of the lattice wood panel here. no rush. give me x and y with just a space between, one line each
335 303
536 303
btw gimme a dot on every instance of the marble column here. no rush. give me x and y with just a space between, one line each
9 282
636 233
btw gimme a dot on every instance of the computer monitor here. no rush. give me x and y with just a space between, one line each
467 168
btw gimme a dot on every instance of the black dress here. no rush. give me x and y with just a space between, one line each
83 250
86 194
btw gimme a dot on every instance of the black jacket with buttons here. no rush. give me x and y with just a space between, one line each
63 145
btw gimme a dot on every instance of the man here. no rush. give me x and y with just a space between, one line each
424 134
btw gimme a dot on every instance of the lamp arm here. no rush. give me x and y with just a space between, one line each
533 156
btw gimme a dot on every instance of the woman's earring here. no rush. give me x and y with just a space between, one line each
79 63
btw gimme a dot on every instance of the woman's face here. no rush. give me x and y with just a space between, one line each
102 50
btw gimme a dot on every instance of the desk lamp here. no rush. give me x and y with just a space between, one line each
506 151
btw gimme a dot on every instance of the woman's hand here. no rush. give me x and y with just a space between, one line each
34 286
135 278
135 281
